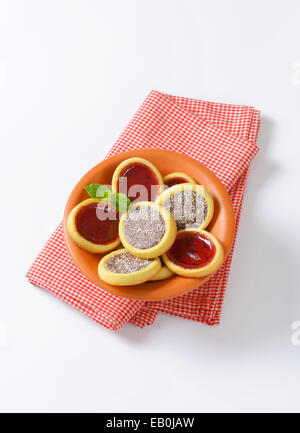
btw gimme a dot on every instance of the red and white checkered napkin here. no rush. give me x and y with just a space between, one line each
222 137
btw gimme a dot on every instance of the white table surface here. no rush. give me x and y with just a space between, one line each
72 73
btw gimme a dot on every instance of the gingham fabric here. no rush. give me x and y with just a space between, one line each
222 137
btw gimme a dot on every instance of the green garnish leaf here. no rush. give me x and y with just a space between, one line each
95 190
119 200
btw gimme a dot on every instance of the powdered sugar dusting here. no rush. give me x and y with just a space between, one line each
126 263
189 208
144 227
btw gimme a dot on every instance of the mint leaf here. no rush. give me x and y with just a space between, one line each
119 200
95 190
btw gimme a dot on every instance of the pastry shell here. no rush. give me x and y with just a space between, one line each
163 245
115 178
80 240
175 189
203 271
127 279
176 175
164 274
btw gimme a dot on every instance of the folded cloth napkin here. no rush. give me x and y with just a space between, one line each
220 136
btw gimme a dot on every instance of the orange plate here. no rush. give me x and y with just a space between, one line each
221 226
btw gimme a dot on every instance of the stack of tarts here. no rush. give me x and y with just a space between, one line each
147 227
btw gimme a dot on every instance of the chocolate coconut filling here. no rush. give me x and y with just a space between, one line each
144 227
126 263
189 208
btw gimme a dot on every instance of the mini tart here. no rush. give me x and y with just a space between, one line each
147 230
138 178
91 233
164 274
195 253
121 268
177 178
191 205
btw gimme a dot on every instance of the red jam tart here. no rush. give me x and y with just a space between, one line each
195 253
138 179
93 225
177 178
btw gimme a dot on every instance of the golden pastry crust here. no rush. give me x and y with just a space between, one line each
164 274
180 175
166 241
115 178
203 271
130 278
173 190
81 241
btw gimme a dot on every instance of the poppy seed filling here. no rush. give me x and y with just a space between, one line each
144 227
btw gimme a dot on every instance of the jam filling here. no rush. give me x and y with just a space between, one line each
192 250
175 181
138 182
98 223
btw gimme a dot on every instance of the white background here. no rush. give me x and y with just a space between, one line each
72 73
